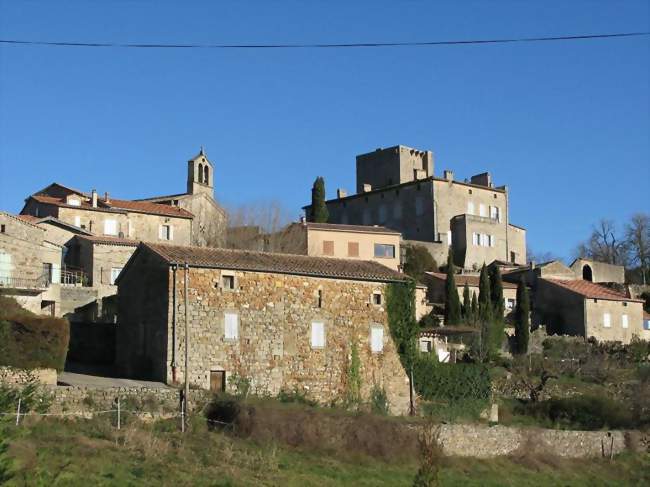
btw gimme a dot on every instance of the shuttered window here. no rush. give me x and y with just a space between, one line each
607 320
231 321
317 334
376 338
624 322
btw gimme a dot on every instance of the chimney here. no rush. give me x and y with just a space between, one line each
94 198
106 197
448 175
367 187
303 220
341 193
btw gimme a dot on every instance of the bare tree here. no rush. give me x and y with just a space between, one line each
637 236
539 257
604 245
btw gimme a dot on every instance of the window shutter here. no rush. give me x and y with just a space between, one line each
607 320
624 322
317 334
470 208
231 328
171 232
376 338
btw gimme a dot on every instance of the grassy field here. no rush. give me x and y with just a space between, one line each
92 452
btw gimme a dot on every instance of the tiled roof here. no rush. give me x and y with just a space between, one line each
119 206
105 240
21 220
350 228
591 290
278 263
29 218
472 281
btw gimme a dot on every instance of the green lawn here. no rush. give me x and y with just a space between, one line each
91 452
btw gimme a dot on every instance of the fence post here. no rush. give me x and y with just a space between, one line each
118 412
182 413
18 412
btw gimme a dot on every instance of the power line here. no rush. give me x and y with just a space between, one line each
322 46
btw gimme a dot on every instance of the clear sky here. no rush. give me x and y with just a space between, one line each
566 125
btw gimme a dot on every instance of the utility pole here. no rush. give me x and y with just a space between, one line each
187 347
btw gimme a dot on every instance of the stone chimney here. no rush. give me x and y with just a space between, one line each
367 188
448 175
341 193
106 198
483 179
94 198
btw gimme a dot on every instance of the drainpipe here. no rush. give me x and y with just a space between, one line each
174 365
187 345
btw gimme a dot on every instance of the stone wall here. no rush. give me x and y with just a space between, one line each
11 375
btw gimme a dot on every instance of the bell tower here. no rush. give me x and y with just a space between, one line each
200 175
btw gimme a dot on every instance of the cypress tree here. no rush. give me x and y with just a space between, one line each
467 304
452 301
485 314
318 211
496 289
522 318
474 309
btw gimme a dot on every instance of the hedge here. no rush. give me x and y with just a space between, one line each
454 382
30 341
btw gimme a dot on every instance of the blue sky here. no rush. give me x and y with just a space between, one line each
565 125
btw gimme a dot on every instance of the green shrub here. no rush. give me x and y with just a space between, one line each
241 385
454 382
297 397
32 398
379 401
30 341
455 411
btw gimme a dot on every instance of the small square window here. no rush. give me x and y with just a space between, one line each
2 229
228 282
376 298
328 247
353 249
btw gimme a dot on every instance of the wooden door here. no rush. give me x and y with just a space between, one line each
217 380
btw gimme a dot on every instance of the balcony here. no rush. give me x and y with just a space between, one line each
15 283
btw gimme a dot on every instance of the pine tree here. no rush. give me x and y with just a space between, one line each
467 305
522 318
318 211
452 301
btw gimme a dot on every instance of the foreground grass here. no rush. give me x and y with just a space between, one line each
92 452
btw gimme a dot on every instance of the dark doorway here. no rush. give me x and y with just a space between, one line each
587 275
47 308
217 380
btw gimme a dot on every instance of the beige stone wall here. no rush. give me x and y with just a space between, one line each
516 245
595 321
467 254
601 272
366 242
210 220
10 375
273 348
557 308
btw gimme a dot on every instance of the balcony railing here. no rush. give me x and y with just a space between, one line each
13 282
71 277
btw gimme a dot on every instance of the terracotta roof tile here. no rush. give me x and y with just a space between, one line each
277 263
120 206
29 218
105 240
471 280
350 228
591 290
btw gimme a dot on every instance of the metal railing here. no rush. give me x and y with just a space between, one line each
13 282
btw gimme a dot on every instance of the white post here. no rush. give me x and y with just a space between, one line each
118 413
186 393
182 414
18 412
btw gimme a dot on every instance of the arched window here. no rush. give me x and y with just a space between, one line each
206 174
587 274
200 173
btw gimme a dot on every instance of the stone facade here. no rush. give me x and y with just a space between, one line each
272 345
396 188
593 271
10 375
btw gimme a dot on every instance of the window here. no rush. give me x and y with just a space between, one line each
110 227
419 206
165 232
376 338
448 237
353 249
328 247
484 240
382 213
646 324
77 221
482 210
228 282
319 299
385 251
470 207
607 320
491 240
74 202
510 304
495 213
425 346
200 173
231 326
317 334
624 322
475 238
47 271
376 298
397 211
206 175
2 229
366 216
115 271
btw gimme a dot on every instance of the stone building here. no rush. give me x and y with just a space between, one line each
583 308
436 288
342 241
397 188
591 270
285 322
30 265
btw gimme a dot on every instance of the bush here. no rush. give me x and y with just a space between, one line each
297 397
581 412
379 401
454 382
30 341
32 398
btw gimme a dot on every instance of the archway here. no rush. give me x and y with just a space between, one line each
587 273
200 173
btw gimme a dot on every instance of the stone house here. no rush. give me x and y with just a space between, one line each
583 308
342 242
285 322
591 270
436 288
397 188
30 265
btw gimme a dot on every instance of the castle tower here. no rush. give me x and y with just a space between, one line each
200 175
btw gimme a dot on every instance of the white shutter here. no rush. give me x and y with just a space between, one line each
449 237
77 221
607 320
492 240
482 210
231 326
317 334
171 232
56 274
160 232
624 322
110 227
376 338
470 207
